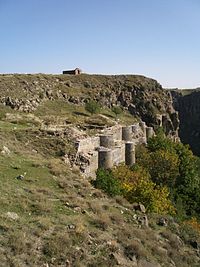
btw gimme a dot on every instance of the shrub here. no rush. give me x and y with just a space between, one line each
117 110
135 185
194 224
92 106
135 249
155 198
189 230
160 141
142 156
102 221
106 182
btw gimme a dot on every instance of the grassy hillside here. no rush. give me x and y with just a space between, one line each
50 215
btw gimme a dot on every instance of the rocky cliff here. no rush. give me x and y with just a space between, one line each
187 103
143 97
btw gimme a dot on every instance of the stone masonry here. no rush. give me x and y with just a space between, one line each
111 147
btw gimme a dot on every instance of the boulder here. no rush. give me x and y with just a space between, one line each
140 207
12 215
5 151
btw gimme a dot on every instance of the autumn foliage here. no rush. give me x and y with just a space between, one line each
136 186
165 179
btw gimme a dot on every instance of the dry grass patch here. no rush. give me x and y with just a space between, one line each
96 207
57 167
174 240
102 221
135 249
117 218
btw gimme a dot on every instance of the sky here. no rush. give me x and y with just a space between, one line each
156 38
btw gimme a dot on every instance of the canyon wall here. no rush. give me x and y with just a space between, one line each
188 107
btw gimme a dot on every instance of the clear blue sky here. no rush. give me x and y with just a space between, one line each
155 38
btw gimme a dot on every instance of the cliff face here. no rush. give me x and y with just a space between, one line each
146 99
143 97
188 107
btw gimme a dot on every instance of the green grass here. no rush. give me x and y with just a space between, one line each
9 126
58 108
60 112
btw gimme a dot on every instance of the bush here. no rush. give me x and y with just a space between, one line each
160 141
194 224
117 110
165 170
135 185
140 188
92 106
106 182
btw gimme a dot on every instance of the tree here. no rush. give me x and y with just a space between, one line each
137 186
164 167
186 189
160 141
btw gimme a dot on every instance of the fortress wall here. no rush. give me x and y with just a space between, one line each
88 144
136 130
109 149
107 140
105 158
141 140
119 154
116 131
90 170
130 153
127 133
149 132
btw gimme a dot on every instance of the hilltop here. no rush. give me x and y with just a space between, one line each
142 97
50 214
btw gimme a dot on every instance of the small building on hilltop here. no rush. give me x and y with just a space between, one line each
76 71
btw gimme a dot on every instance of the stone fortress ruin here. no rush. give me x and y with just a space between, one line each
111 147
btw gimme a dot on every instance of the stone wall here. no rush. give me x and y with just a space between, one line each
116 131
118 154
188 107
113 146
88 144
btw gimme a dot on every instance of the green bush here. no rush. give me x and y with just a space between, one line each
117 110
106 182
160 141
92 106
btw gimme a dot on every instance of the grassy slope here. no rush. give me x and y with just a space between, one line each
62 218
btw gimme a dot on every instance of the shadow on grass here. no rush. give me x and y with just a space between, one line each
80 113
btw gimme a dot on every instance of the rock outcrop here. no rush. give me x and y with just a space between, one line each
143 97
146 99
188 107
